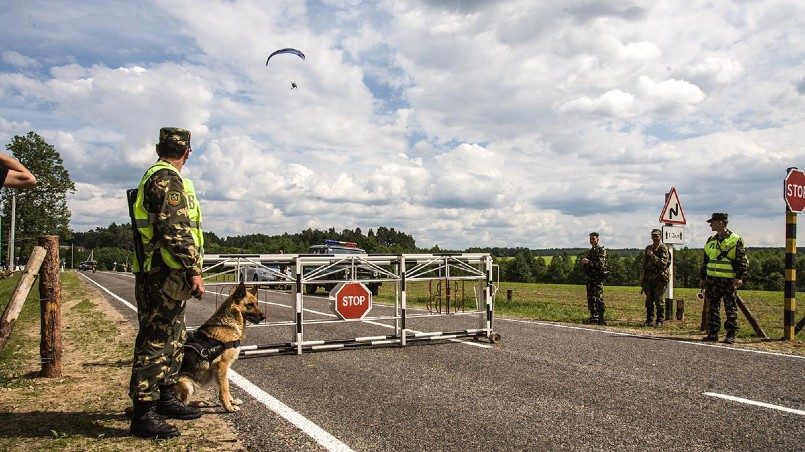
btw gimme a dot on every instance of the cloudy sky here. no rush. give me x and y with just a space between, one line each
463 123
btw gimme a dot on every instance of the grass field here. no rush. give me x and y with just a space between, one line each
625 306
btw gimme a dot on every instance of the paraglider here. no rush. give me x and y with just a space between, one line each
294 85
286 50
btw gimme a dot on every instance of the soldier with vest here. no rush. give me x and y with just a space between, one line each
167 268
654 277
721 274
595 270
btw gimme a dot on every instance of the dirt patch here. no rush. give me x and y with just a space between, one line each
84 409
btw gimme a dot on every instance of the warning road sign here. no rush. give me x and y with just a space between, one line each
672 213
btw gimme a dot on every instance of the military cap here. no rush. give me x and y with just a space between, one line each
593 234
718 216
175 136
656 232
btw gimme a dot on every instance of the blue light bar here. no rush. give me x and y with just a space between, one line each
338 242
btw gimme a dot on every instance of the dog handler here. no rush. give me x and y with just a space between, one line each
167 219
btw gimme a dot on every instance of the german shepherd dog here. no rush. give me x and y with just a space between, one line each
215 345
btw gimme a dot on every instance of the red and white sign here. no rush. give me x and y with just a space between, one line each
351 300
672 213
794 190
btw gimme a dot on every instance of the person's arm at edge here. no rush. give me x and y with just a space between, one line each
18 175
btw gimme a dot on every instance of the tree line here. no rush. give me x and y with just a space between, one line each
114 243
766 268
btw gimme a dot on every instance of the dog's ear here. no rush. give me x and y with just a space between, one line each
254 290
240 292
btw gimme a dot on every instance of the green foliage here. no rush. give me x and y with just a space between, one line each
520 268
41 210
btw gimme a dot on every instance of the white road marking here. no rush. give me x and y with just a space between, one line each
754 402
131 306
321 436
646 336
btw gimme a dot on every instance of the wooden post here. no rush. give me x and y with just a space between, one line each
50 345
751 318
799 326
24 285
705 313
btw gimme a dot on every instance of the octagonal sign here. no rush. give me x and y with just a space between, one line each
351 300
794 190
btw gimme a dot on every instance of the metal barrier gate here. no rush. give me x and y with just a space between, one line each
302 271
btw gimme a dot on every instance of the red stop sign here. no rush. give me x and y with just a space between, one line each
352 300
794 190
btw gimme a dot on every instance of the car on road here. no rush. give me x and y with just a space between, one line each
87 266
337 247
262 273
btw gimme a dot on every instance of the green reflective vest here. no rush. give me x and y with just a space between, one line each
144 221
721 255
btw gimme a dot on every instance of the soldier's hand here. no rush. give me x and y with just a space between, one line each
737 283
197 286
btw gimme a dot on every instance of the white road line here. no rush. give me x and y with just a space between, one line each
321 436
646 336
754 402
133 308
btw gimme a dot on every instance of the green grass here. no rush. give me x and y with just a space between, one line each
16 352
625 306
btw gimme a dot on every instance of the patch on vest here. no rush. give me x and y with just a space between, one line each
174 198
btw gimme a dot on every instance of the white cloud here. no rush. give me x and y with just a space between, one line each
19 60
473 123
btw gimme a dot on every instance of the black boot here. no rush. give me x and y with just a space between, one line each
730 339
146 423
168 405
601 320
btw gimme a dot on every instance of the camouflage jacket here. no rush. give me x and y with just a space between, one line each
655 263
597 266
172 225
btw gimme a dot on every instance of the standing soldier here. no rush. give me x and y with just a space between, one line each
654 276
722 273
595 271
167 218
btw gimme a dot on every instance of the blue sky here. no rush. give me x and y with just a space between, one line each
507 123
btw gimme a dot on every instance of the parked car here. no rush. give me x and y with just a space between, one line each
337 247
263 273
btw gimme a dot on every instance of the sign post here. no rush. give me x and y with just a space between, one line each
672 214
794 194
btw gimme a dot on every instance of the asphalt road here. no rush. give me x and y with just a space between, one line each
543 387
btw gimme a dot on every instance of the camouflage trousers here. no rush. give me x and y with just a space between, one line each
654 290
595 297
158 349
717 289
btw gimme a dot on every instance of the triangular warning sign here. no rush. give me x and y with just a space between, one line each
672 212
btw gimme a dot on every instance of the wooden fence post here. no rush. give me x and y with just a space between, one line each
50 345
24 285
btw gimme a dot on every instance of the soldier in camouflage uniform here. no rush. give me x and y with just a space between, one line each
721 274
167 218
595 271
654 276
